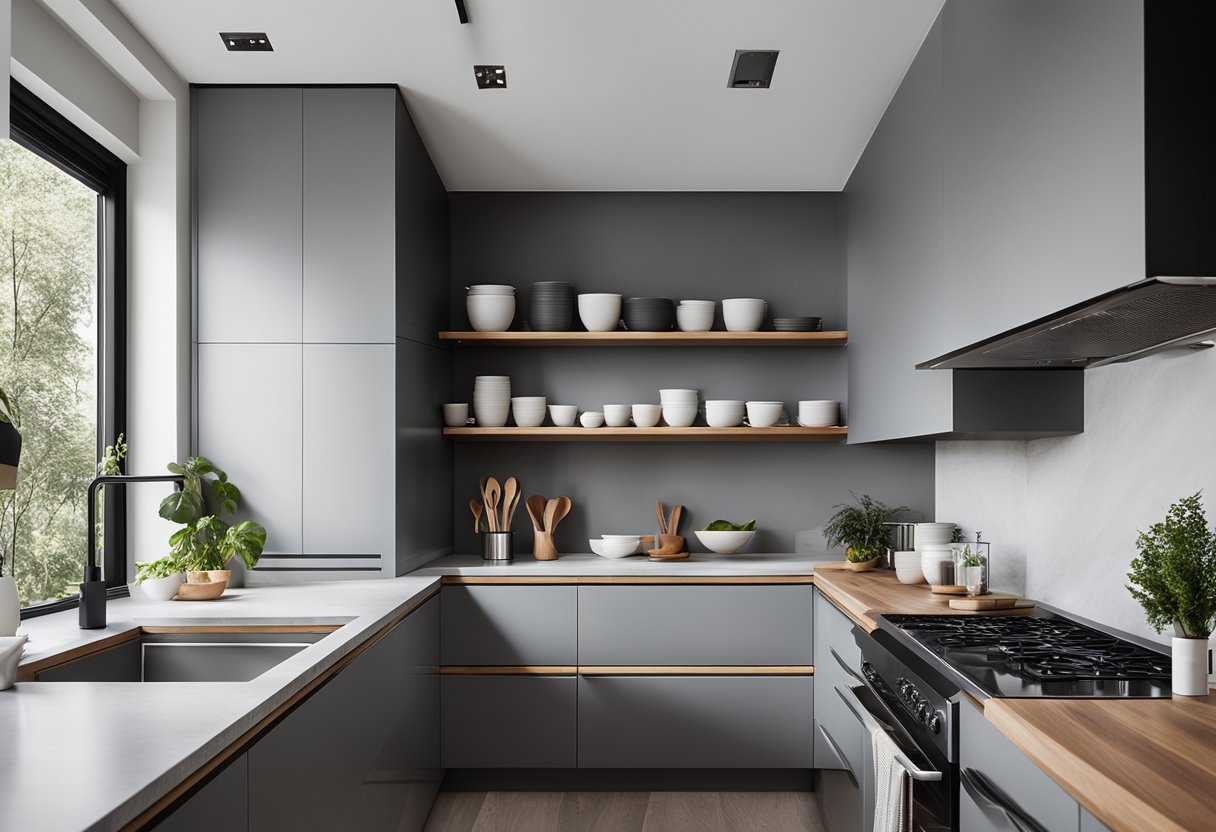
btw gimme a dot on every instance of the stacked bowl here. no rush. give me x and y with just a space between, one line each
764 414
552 306
491 307
679 407
743 314
908 567
933 543
724 413
798 323
599 312
649 314
491 400
818 413
528 411
695 315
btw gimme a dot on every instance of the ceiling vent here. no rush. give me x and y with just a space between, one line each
246 42
490 76
752 68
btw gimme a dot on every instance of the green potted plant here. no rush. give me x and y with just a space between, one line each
160 579
1174 579
859 526
206 543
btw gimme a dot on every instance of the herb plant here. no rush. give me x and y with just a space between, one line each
1174 577
727 526
206 541
859 526
163 567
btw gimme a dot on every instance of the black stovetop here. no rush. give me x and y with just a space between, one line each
1043 654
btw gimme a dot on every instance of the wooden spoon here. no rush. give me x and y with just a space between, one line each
475 507
510 490
536 510
555 511
673 525
658 509
514 505
493 492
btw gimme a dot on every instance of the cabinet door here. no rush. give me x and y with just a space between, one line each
247 150
1089 823
349 215
508 721
509 625
221 804
694 625
249 424
349 440
837 655
695 722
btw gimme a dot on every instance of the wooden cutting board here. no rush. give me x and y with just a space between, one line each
992 601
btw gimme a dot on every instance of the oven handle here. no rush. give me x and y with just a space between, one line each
872 724
846 767
989 797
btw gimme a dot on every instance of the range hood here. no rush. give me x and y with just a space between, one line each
1176 305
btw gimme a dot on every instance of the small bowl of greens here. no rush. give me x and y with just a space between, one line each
725 537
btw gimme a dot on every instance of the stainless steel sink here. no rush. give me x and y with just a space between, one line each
186 653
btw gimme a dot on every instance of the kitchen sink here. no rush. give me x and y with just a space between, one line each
235 652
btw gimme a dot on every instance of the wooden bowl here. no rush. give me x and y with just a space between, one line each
203 586
864 566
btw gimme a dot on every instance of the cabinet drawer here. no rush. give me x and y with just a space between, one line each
695 722
508 721
1003 779
508 625
695 625
834 631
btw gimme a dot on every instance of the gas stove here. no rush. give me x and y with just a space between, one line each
1044 654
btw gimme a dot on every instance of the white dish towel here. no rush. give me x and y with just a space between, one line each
893 792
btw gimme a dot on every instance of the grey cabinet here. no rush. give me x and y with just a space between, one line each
1002 790
694 625
509 721
249 423
314 769
695 721
349 265
221 804
248 203
844 780
1089 823
509 625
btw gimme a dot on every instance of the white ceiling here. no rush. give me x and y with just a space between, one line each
602 94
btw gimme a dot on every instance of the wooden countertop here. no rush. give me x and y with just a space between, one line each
1135 764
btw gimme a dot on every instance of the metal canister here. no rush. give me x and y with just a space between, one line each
497 547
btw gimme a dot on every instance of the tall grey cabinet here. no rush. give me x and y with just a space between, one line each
321 271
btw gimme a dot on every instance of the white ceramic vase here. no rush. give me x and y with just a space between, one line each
10 607
1190 663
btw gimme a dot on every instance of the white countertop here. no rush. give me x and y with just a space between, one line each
697 565
91 756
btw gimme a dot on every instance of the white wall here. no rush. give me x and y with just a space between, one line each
1064 513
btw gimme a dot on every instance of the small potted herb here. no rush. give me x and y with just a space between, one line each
1174 579
160 578
859 526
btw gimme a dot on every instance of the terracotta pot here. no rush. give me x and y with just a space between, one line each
863 566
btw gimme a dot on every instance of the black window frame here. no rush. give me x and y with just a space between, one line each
39 128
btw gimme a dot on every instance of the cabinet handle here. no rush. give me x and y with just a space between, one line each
844 761
844 666
989 797
870 723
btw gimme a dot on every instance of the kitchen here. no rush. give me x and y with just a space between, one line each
947 185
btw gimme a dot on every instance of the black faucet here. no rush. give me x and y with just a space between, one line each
93 590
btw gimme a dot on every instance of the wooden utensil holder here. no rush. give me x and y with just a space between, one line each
542 546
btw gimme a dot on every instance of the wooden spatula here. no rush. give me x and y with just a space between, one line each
658 509
510 490
475 507
493 493
536 510
673 525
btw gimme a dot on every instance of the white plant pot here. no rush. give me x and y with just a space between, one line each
1190 663
163 589
10 607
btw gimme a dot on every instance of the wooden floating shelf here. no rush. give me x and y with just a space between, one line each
647 339
633 434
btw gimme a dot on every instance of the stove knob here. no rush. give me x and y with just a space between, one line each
935 724
922 711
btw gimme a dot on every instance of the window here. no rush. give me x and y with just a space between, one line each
62 345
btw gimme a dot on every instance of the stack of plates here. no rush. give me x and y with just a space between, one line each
933 534
649 314
818 414
802 323
696 315
679 407
552 306
491 400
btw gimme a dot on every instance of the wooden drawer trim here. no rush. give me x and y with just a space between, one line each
625 580
512 670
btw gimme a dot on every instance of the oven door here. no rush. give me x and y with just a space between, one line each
933 782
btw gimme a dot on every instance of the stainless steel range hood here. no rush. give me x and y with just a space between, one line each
1176 305
1128 323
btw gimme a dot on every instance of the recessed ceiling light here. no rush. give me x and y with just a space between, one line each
752 68
246 42
490 76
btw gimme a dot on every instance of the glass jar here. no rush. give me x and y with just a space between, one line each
971 568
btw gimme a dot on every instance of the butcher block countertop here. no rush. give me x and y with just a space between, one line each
1135 764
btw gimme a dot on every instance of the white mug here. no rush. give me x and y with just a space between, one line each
456 414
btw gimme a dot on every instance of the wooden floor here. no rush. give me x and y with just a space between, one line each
625 812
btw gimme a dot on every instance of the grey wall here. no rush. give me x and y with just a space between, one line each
787 248
1004 182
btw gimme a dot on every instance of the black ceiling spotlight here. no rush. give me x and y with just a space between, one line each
752 68
246 42
462 11
490 76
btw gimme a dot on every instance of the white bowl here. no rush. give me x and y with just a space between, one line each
491 289
597 546
563 415
930 564
764 414
591 419
679 415
695 319
646 415
617 415
490 313
529 411
907 575
599 312
818 414
634 537
723 417
163 589
679 396
743 314
618 548
725 543
709 303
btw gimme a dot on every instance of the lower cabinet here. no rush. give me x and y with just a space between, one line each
221 804
695 722
508 721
